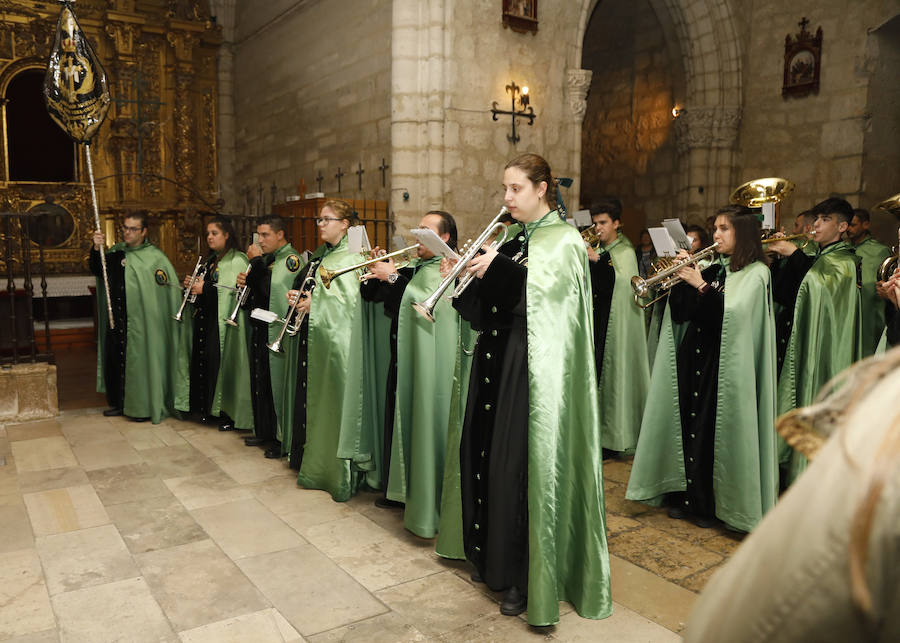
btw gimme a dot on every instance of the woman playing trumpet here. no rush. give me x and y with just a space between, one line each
532 491
708 452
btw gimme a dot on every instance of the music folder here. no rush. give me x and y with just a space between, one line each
434 243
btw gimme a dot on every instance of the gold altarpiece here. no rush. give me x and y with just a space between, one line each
156 151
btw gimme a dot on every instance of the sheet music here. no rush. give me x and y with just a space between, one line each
768 212
263 315
662 242
430 240
582 218
357 239
677 233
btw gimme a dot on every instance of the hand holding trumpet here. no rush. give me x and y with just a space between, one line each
689 274
379 270
304 304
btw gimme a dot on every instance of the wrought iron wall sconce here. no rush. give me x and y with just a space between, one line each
526 110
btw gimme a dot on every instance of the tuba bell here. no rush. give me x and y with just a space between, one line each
889 266
753 194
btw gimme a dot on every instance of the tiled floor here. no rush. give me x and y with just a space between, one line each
111 530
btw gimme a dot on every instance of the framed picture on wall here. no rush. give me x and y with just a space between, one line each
520 15
802 62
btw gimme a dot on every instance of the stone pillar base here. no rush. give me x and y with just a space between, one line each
28 392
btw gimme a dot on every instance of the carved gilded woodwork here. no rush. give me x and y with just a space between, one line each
156 153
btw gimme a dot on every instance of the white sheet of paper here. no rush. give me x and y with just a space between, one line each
662 242
571 222
768 212
677 233
582 218
263 315
430 240
357 239
306 254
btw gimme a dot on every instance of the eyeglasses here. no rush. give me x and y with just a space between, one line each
128 228
324 220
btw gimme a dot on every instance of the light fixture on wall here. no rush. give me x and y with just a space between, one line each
526 112
678 111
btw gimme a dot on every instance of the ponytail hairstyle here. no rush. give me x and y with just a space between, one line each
342 210
224 224
747 236
537 170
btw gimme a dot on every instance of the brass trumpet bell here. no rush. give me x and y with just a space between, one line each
891 205
753 194
327 276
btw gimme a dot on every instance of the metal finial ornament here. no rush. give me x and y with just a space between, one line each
77 96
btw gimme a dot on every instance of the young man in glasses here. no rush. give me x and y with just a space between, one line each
135 359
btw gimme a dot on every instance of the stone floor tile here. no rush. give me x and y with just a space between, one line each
385 628
696 582
250 468
497 627
617 470
33 430
649 595
214 443
439 603
47 636
9 479
120 611
370 554
614 495
155 523
105 454
683 529
246 528
66 509
167 435
178 461
310 590
127 483
301 508
624 626
15 527
24 602
43 453
140 438
724 543
33 481
83 558
206 490
90 428
267 626
616 524
196 584
662 553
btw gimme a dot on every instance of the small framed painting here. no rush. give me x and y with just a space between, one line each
520 15
802 62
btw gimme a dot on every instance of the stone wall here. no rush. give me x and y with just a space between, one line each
820 141
28 392
628 139
311 94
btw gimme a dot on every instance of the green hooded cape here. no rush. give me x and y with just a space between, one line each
568 558
825 338
450 530
152 335
426 359
625 376
872 254
334 314
745 467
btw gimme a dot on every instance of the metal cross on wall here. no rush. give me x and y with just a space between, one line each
140 123
338 176
359 174
383 168
319 179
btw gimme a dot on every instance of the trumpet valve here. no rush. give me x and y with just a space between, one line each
639 286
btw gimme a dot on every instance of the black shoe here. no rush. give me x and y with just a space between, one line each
476 577
514 602
677 513
204 419
113 412
254 441
384 503
609 454
704 523
140 419
273 451
226 426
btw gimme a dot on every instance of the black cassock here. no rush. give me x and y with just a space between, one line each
603 279
697 360
391 295
205 347
298 432
259 281
787 274
494 443
114 343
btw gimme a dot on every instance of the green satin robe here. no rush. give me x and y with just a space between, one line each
625 377
450 531
825 338
426 359
745 467
568 558
872 254
285 267
333 314
153 336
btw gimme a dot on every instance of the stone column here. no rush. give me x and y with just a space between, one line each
578 83
224 11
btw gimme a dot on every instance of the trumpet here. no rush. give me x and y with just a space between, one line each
240 296
188 296
790 237
889 266
494 229
591 238
292 329
665 278
328 276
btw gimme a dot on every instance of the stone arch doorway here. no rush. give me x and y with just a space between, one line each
706 84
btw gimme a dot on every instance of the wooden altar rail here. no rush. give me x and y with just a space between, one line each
17 340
